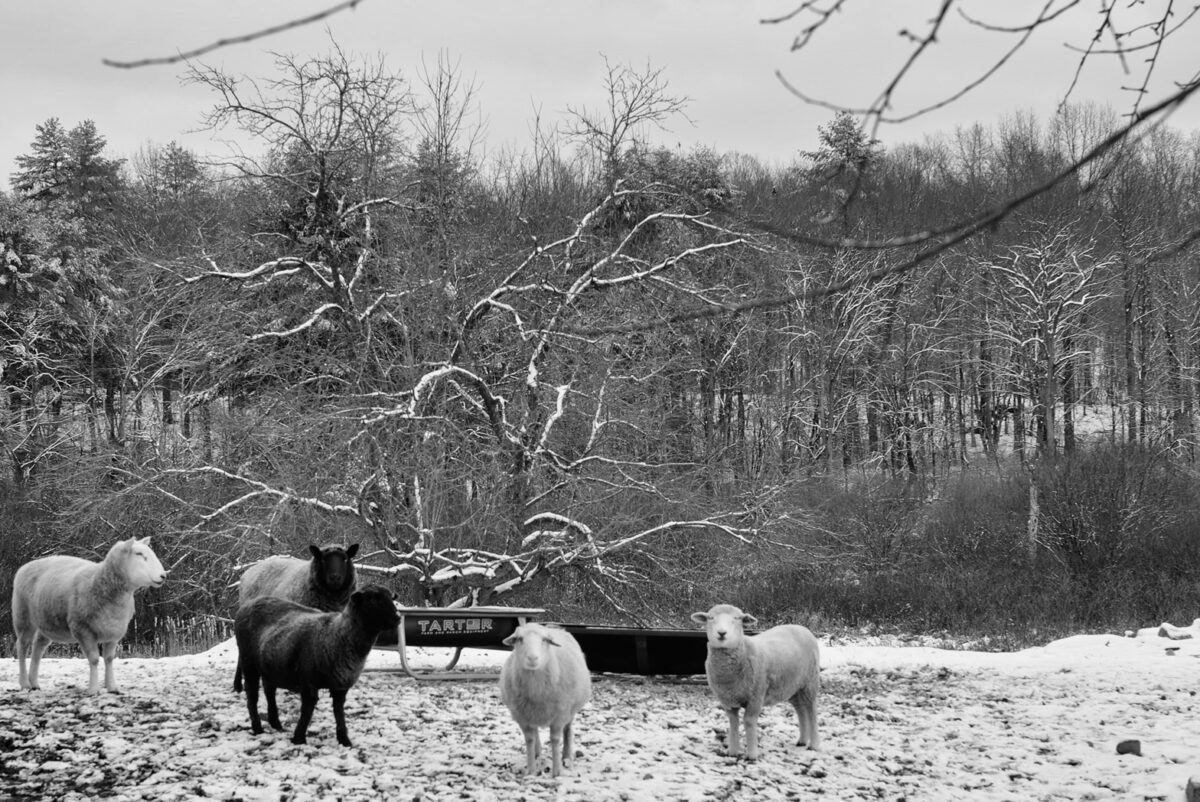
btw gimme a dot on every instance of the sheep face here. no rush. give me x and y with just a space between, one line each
532 644
373 606
332 565
142 564
725 625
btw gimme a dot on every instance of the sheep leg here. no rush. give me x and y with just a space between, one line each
797 702
272 708
556 743
569 743
24 644
806 713
533 746
308 703
237 677
732 745
339 715
109 650
40 644
91 650
752 732
256 726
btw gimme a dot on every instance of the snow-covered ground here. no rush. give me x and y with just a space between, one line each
896 722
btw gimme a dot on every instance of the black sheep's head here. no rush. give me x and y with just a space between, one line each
374 606
333 565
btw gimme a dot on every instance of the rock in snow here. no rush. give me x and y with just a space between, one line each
1130 747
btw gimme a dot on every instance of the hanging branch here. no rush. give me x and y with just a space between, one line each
233 40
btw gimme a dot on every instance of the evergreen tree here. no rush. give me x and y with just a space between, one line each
838 169
180 172
43 173
845 147
68 170
92 179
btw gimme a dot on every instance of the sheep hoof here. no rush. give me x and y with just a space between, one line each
299 739
345 742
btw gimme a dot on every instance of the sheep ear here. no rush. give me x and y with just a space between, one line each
700 618
144 541
511 640
315 552
350 552
749 619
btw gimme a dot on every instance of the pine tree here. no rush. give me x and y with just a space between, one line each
93 179
68 170
181 173
43 174
844 146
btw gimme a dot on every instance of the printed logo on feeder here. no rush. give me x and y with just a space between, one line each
453 626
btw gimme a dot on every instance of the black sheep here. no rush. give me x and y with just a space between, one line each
324 582
290 646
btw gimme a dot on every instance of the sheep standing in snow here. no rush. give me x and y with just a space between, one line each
324 582
64 599
544 683
750 672
287 645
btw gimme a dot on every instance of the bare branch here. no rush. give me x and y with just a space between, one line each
233 40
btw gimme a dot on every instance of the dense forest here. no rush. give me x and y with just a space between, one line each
613 379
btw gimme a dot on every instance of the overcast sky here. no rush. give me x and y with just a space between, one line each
546 54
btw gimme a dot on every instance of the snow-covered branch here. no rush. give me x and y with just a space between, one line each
555 542
317 314
261 490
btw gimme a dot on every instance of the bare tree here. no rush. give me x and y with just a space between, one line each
332 128
634 102
1045 290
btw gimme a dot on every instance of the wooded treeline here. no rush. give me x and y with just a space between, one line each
511 372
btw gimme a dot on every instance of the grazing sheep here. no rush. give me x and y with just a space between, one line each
750 672
544 683
300 649
324 583
64 599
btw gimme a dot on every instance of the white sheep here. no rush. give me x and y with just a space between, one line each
544 683
64 599
781 664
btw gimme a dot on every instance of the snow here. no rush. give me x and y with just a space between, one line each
897 723
457 571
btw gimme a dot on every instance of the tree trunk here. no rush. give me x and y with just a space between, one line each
168 414
1068 394
110 410
1049 395
1018 429
1131 391
1031 527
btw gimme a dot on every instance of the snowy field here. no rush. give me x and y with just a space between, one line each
896 722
